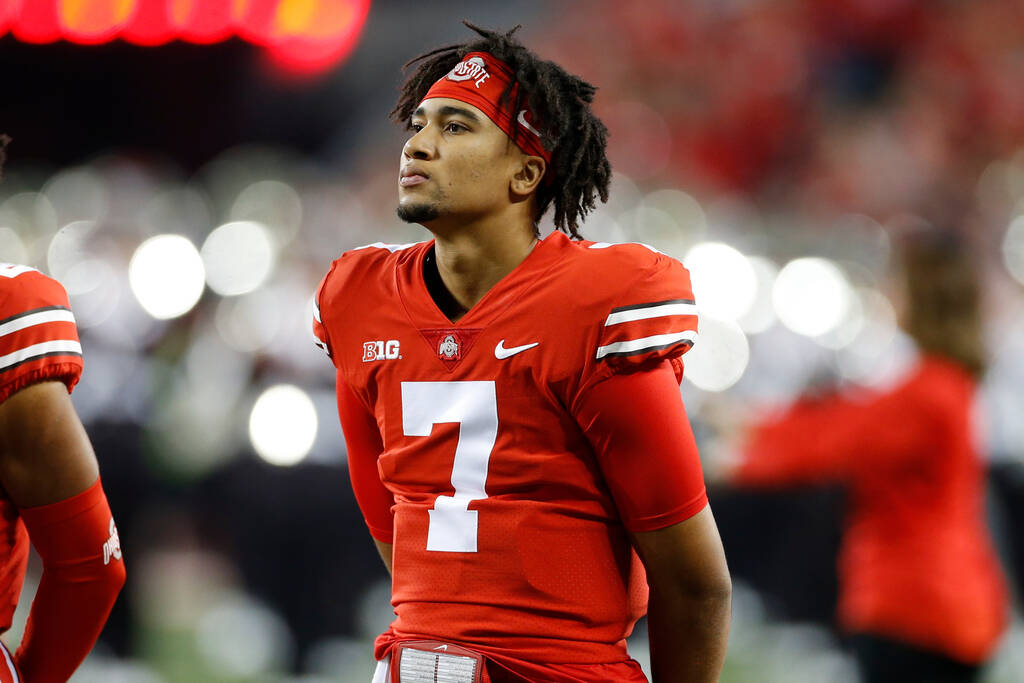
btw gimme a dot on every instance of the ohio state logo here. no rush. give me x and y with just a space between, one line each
474 68
449 348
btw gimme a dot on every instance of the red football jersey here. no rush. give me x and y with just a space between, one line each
506 535
38 342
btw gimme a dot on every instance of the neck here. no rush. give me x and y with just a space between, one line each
472 258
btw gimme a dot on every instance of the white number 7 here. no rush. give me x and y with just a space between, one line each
453 526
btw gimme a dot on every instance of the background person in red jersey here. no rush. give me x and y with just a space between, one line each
511 405
921 590
52 495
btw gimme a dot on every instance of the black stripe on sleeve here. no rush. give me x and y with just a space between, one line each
654 304
639 352
41 355
34 310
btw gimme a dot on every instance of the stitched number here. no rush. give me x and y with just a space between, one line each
453 526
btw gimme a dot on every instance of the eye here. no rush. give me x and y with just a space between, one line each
415 127
454 127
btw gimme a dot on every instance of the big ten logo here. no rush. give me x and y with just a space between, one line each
381 350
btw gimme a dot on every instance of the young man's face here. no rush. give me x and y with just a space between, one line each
457 163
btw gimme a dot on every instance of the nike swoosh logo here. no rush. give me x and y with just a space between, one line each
443 648
501 353
522 120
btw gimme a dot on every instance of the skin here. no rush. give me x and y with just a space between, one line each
45 454
688 612
477 199
480 187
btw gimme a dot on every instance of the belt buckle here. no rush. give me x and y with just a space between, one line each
435 661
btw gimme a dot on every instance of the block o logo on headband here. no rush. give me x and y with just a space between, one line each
473 68
481 79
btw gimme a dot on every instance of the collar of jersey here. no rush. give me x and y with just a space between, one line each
423 311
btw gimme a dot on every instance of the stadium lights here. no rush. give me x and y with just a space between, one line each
283 425
166 275
301 35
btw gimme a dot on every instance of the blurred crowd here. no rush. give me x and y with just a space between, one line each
777 147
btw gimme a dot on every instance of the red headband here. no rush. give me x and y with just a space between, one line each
480 79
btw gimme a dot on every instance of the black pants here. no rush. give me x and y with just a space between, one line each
882 660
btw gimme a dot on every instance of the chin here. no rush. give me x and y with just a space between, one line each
417 213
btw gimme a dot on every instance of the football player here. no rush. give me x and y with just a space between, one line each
516 437
51 491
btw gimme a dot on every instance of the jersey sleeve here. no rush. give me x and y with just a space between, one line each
320 336
38 336
652 318
364 445
836 438
637 426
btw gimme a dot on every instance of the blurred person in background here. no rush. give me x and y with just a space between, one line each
511 405
922 595
52 494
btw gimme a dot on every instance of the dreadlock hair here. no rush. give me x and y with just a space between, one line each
579 170
3 156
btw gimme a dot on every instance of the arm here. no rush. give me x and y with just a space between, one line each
834 437
385 550
688 612
48 469
364 445
637 425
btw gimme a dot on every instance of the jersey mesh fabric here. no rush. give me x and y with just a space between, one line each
480 416
38 342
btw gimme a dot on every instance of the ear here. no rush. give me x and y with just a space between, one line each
528 176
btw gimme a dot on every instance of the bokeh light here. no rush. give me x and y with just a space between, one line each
848 329
238 257
250 322
283 425
166 276
240 637
724 283
811 296
12 249
1013 249
761 315
77 194
274 204
720 356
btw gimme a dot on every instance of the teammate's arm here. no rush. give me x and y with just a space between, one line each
637 426
49 470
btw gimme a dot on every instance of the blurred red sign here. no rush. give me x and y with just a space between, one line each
303 35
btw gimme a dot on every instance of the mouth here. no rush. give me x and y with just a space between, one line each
411 177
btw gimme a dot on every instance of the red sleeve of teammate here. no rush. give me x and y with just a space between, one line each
364 445
832 438
82 575
637 426
38 338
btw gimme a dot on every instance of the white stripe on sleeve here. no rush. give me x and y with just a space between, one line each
650 312
32 319
10 664
42 349
646 343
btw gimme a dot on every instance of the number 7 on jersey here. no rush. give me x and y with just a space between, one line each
474 405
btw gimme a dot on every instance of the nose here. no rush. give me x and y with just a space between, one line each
420 145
